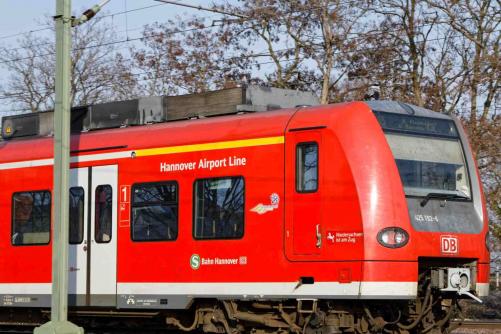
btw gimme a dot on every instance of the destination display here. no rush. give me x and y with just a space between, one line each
416 124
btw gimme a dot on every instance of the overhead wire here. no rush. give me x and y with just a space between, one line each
231 58
279 52
242 19
138 74
156 35
128 40
25 32
50 27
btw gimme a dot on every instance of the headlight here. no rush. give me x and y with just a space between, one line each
393 237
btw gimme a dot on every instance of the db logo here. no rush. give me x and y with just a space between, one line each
450 245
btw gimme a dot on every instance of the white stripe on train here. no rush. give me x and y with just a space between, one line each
75 159
351 290
245 289
368 290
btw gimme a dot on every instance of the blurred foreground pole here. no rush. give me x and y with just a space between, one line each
59 323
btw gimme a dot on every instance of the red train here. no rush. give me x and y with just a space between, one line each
305 220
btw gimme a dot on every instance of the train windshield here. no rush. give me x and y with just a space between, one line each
428 154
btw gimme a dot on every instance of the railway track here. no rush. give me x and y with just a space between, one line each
487 324
92 331
491 325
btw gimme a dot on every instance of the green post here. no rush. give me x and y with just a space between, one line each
59 321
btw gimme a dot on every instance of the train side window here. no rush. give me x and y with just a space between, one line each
103 214
219 208
307 167
76 215
154 211
31 218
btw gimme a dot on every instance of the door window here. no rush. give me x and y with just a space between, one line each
76 215
103 214
306 167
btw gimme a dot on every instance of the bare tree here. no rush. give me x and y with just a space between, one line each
30 84
333 43
31 67
478 27
186 56
94 65
273 33
309 43
446 82
398 45
478 23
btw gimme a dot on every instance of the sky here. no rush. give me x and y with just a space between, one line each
25 15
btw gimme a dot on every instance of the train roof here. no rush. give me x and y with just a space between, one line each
186 132
183 132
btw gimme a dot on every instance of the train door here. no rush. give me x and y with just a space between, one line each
93 253
103 235
303 189
79 216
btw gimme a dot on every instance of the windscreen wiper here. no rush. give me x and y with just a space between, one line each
442 196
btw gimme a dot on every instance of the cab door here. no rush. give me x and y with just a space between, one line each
303 191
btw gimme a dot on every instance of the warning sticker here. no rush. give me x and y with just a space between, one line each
263 208
344 237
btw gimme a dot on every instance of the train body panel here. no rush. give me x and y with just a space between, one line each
288 204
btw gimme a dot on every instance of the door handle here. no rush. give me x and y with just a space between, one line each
319 236
73 269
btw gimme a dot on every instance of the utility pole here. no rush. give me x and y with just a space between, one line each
59 323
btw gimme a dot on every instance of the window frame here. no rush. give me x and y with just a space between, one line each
194 208
298 146
133 187
13 217
95 216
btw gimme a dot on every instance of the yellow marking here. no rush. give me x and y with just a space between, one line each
210 146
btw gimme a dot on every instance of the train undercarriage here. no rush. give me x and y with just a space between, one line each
430 313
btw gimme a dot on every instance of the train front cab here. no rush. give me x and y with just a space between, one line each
401 182
443 237
397 212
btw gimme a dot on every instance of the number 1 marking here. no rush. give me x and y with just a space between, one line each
124 192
